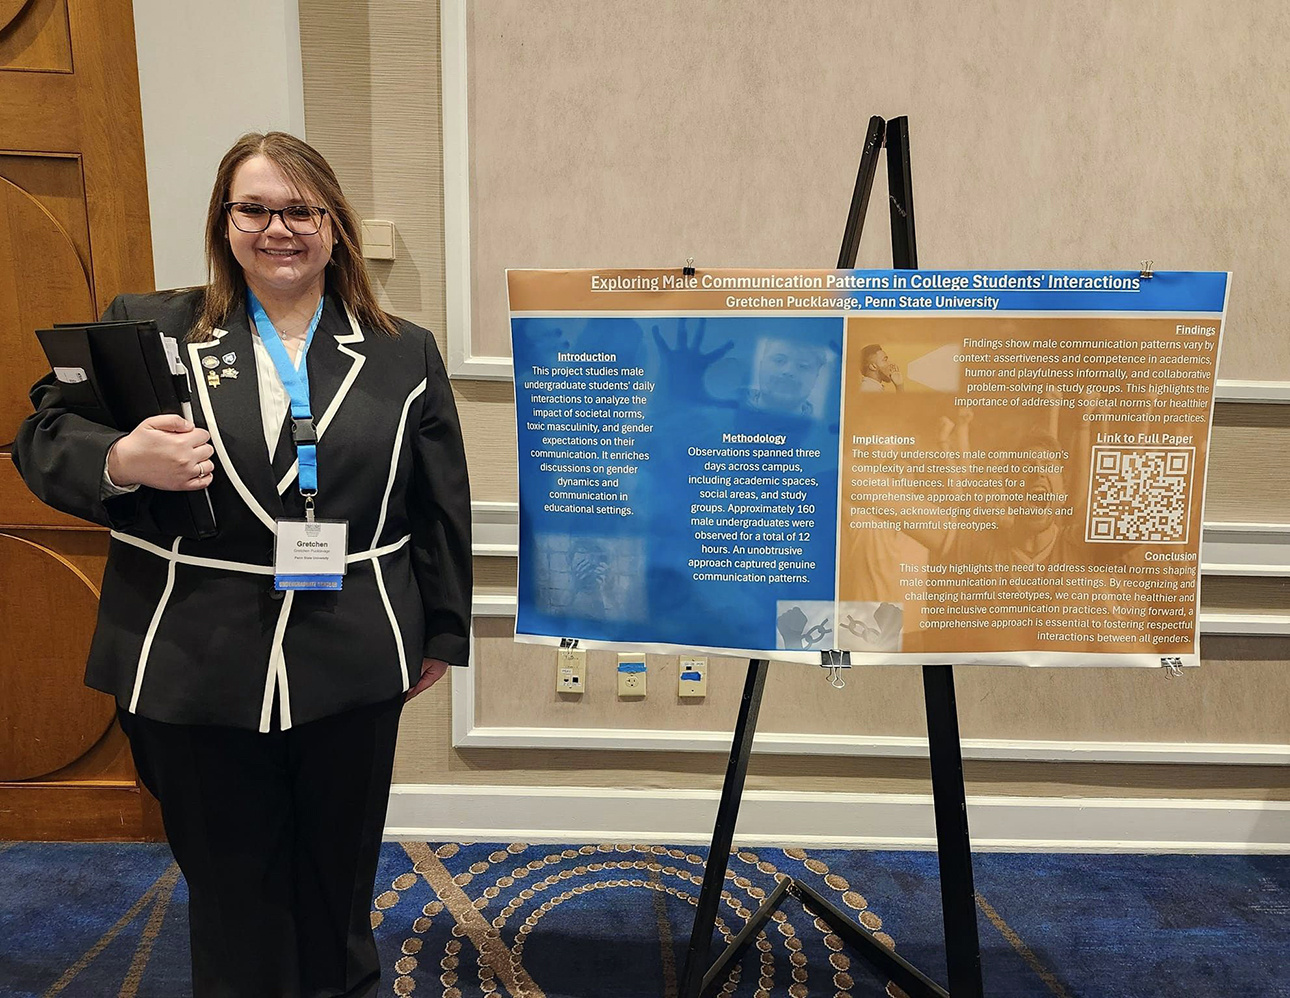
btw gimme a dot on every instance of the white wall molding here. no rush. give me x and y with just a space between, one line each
1252 624
1230 548
463 362
491 604
833 820
1275 392
495 529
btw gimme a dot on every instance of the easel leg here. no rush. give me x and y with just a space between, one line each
900 188
860 198
954 847
714 874
958 895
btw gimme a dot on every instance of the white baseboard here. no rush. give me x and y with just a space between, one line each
473 736
833 820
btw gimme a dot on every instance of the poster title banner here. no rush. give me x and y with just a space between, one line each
865 290
912 466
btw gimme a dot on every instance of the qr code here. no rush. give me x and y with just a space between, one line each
1140 494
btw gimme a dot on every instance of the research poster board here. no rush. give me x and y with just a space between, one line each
997 467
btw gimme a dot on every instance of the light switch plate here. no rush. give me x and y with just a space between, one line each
377 239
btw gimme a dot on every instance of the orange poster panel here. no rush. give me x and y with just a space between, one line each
1023 483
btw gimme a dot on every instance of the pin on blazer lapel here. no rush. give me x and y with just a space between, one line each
232 412
333 368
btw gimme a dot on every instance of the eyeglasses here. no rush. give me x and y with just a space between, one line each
302 219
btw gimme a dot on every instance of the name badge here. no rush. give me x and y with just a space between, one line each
310 554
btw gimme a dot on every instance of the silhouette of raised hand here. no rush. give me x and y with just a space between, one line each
791 623
683 367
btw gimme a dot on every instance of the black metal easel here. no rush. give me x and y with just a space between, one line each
958 896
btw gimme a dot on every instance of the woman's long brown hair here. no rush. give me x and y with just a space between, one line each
311 175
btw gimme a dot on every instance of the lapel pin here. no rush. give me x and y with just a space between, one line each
212 379
228 372
229 357
210 363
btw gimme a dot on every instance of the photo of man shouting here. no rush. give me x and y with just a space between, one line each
879 370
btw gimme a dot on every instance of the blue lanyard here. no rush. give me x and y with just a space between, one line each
296 381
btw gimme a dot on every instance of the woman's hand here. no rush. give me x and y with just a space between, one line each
163 452
432 671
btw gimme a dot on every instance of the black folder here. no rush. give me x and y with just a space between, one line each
117 374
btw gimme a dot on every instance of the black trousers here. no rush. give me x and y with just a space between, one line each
278 837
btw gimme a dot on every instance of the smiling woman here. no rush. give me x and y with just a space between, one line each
261 680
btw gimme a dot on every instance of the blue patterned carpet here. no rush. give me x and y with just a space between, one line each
603 921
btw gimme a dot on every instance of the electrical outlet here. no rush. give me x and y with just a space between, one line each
570 670
694 677
631 675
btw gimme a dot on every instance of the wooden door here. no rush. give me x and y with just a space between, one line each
73 234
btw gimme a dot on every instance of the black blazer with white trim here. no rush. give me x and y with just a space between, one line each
191 631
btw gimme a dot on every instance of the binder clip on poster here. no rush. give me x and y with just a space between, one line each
835 662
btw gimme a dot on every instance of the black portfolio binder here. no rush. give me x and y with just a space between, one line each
118 374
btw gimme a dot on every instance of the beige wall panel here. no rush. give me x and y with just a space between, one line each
487 411
495 574
1043 135
1249 480
1243 594
372 107
723 152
